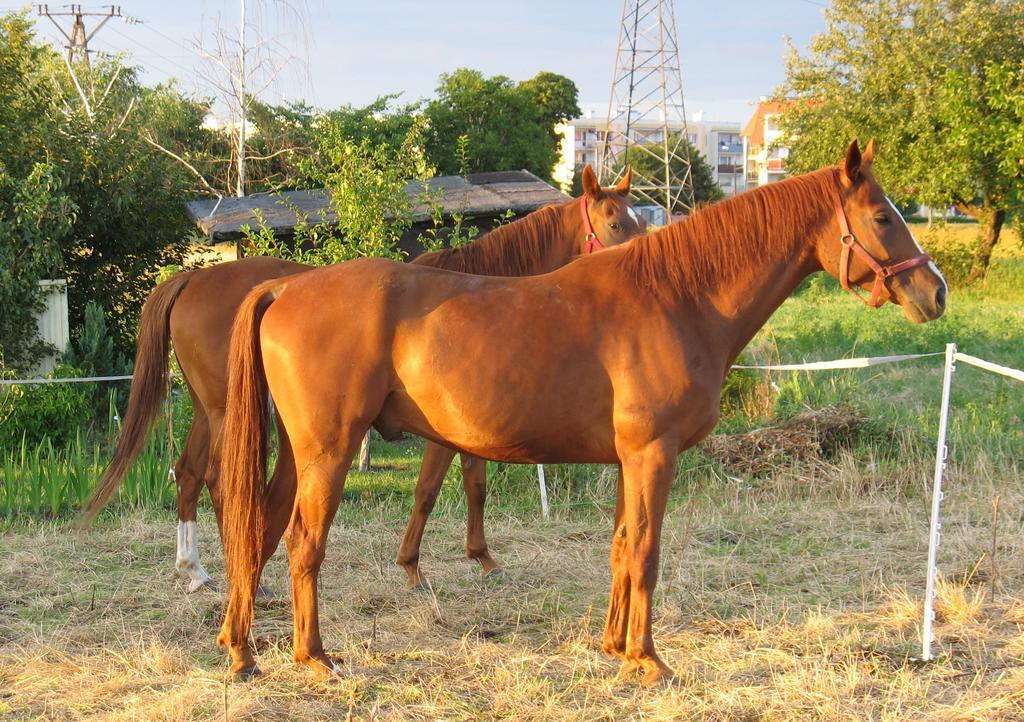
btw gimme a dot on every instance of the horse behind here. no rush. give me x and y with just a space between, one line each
618 358
194 311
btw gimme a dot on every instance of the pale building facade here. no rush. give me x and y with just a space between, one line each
719 142
765 156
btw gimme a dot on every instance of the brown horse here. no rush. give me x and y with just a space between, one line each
194 310
618 358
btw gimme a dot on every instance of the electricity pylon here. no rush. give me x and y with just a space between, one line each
646 116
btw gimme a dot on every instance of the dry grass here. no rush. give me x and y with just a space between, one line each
773 605
813 435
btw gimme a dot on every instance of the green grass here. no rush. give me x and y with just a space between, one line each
820 322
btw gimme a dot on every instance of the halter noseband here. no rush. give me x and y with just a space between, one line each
848 242
590 237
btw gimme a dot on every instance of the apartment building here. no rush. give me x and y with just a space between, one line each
719 142
765 158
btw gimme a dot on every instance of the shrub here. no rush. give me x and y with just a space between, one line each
93 353
40 411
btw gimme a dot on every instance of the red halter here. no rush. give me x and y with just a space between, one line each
850 243
591 237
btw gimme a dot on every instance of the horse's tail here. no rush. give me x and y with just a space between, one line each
244 452
149 387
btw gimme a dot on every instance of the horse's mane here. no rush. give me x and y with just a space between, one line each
724 240
514 249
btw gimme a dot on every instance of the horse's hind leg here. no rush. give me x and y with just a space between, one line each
617 622
474 481
436 460
188 476
280 502
320 484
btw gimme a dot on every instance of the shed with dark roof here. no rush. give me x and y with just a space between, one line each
481 198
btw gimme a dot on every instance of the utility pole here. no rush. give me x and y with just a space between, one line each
78 39
646 116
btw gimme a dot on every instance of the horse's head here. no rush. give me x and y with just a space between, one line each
874 248
611 217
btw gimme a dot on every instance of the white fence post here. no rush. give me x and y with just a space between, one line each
52 322
543 490
933 537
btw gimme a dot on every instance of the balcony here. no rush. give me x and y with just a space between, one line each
727 169
730 147
776 165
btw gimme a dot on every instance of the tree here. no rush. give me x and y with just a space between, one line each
939 83
508 126
129 196
555 96
35 212
84 191
705 189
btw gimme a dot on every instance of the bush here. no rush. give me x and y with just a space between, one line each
955 261
40 411
92 353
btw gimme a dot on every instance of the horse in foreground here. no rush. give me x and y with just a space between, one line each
194 310
618 358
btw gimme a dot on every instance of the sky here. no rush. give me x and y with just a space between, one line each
351 52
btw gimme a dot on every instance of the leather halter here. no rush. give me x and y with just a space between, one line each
848 242
590 237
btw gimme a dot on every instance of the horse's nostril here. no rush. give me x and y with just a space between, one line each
940 297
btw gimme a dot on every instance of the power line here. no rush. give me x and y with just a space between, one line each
153 54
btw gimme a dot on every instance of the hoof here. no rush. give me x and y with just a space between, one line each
206 584
247 673
659 678
264 593
498 574
328 675
421 586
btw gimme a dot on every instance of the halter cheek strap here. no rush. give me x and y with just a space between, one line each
849 243
590 237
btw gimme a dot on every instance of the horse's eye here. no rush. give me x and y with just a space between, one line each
881 218
614 226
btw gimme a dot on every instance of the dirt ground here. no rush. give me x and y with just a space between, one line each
790 598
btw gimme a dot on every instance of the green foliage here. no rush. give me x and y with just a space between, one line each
940 83
366 180
78 173
647 162
509 126
93 353
35 412
34 216
51 477
35 211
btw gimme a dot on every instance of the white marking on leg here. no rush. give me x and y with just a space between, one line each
931 263
335 669
187 562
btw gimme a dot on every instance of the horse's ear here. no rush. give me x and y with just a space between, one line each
622 187
869 154
851 166
590 185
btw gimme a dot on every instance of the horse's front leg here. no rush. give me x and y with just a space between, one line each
647 478
436 460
